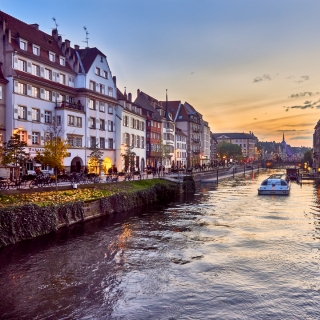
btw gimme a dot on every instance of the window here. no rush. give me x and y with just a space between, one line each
62 78
35 138
79 122
47 116
92 105
142 125
58 120
138 124
126 139
71 81
102 143
138 141
98 71
92 85
35 92
70 141
48 74
126 121
35 114
102 89
70 120
133 139
110 91
142 142
78 142
102 124
62 61
23 45
110 109
35 70
93 142
36 50
22 65
52 57
105 74
110 143
22 112
48 95
102 107
22 88
148 147
110 125
92 123
23 135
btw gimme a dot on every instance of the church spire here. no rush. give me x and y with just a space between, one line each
283 136
166 115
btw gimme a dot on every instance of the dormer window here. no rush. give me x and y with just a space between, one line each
52 56
97 71
36 50
101 58
23 45
105 74
62 61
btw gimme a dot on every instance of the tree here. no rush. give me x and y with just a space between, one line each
162 151
229 150
55 150
13 153
307 157
128 157
95 158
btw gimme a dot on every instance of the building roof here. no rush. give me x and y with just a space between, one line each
234 135
180 132
88 55
144 101
32 35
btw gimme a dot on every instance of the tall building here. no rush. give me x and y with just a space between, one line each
46 82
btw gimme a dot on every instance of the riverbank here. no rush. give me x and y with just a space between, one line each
28 215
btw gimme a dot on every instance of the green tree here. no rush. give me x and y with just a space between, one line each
308 157
128 157
229 150
13 153
55 150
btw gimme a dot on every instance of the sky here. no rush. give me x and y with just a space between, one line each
245 65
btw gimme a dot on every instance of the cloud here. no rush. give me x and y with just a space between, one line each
303 94
192 72
290 77
302 79
291 130
255 119
265 77
301 138
306 105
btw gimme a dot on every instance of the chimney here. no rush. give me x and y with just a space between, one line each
138 92
55 34
76 47
34 25
130 97
67 43
114 80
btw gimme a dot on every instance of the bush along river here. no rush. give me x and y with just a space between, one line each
221 253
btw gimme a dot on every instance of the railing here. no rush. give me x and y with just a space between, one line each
70 105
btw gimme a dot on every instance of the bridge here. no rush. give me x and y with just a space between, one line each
283 164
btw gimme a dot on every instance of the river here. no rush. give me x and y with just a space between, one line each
223 253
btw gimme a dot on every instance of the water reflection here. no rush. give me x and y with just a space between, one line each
223 253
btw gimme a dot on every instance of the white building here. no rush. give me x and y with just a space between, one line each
180 155
131 132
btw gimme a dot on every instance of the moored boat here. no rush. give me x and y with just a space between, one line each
293 173
277 184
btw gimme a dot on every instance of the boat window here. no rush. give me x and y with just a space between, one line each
283 183
265 183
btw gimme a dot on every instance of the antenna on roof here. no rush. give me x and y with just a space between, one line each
87 39
55 22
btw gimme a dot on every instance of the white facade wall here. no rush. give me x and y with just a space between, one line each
180 155
134 134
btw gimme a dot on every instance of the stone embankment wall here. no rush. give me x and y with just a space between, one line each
29 221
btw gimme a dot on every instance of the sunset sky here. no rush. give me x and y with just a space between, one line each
244 65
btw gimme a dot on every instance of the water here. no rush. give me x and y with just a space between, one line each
225 253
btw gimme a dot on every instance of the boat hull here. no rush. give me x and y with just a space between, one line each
274 192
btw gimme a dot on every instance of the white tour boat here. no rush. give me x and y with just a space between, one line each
276 184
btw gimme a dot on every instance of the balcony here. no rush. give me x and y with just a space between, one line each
195 129
70 105
195 140
196 151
